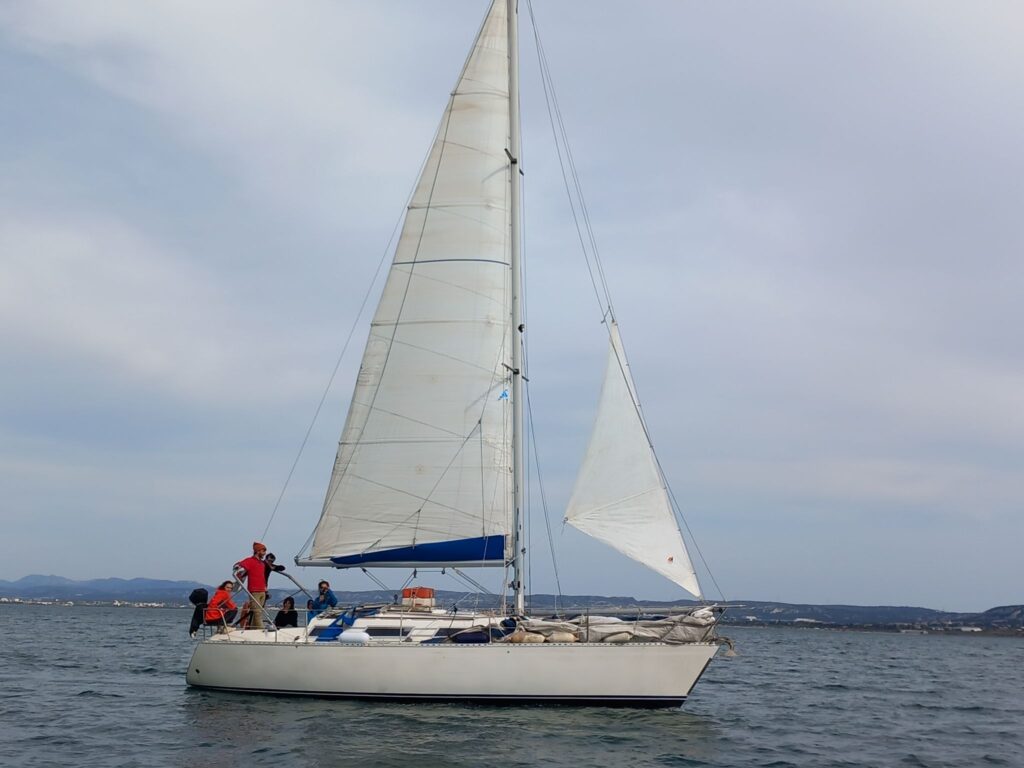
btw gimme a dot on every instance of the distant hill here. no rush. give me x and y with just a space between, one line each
762 612
40 587
768 612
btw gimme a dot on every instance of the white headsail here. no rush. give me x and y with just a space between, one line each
620 497
424 467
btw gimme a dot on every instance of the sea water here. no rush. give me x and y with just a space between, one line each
97 686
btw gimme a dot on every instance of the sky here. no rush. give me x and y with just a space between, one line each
809 214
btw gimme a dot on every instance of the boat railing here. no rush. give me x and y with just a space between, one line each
208 630
267 613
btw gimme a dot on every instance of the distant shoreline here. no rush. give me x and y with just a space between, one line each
894 629
161 593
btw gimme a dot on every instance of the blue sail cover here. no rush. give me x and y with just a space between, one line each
483 550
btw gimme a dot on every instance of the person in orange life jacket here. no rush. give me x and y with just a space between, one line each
253 569
221 610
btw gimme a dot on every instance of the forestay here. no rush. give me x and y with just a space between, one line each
424 467
620 496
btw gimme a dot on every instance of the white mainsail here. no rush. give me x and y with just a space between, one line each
424 466
620 496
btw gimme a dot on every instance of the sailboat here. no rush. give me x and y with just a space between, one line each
429 471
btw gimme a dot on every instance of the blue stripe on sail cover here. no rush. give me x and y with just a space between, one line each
457 551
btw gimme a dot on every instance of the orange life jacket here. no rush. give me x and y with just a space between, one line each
215 608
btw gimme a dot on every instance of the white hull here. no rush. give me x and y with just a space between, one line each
633 674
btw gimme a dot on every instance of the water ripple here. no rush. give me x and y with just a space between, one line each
792 698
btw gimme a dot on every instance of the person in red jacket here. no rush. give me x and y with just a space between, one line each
221 609
254 571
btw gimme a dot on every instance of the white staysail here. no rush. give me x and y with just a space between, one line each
620 496
424 467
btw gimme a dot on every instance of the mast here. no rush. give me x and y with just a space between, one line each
518 572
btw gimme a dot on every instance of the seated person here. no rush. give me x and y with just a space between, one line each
221 610
325 599
287 616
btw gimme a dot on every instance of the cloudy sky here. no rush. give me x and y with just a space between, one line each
810 215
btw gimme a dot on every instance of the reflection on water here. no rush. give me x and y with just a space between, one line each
388 733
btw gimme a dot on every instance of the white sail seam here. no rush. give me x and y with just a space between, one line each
592 510
422 275
443 261
425 500
378 409
428 350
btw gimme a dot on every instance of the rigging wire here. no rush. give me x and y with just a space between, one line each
472 582
543 500
375 580
602 293
693 539
330 380
525 517
531 435
548 88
